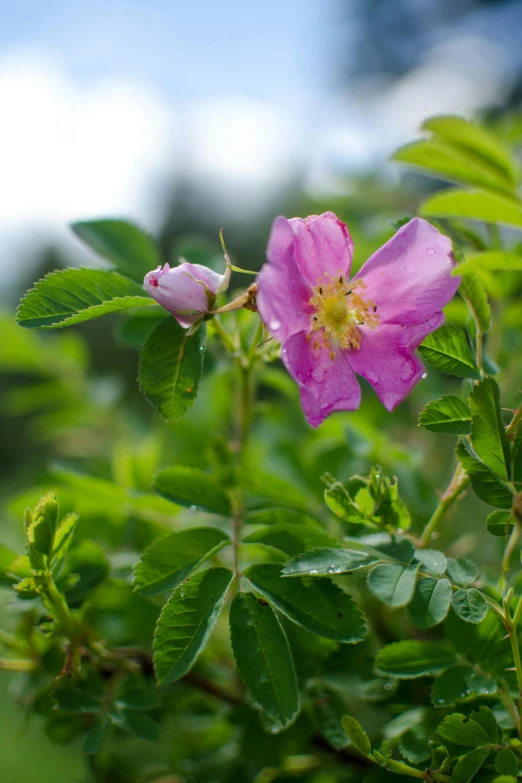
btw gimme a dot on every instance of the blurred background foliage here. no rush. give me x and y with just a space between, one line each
69 400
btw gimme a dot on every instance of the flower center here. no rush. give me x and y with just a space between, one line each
340 308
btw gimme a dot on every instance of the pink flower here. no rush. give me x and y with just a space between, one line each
332 327
188 291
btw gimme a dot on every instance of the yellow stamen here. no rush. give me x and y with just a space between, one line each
339 310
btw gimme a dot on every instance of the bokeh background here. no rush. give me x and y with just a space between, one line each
189 117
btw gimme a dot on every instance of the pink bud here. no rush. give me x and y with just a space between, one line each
188 291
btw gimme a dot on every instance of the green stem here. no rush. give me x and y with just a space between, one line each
456 486
57 606
17 665
508 553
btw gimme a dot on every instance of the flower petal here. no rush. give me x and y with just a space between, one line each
387 360
181 288
409 278
326 384
322 244
283 295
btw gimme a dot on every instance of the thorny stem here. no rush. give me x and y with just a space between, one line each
512 427
511 624
457 485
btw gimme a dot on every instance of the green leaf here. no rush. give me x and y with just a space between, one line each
408 660
96 736
64 537
472 289
499 523
291 538
7 558
76 700
470 605
134 329
329 709
459 684
356 735
168 561
263 658
186 622
430 603
479 143
448 350
506 762
460 730
171 363
278 516
449 414
393 584
492 260
432 560
192 488
485 718
488 435
41 526
400 549
138 724
468 766
462 570
486 485
72 296
473 205
444 161
329 562
89 562
316 604
132 251
340 503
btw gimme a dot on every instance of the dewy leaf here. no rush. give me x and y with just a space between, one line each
431 602
72 296
461 570
356 735
316 604
291 538
408 660
449 414
468 766
459 684
474 205
472 289
186 622
392 583
192 488
171 363
432 560
132 251
166 563
499 523
486 485
460 730
329 562
263 658
448 350
488 435
470 605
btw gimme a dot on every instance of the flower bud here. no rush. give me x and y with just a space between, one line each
188 291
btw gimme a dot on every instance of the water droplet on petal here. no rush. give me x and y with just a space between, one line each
274 324
192 508
448 260
284 350
407 371
323 405
430 251
371 377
